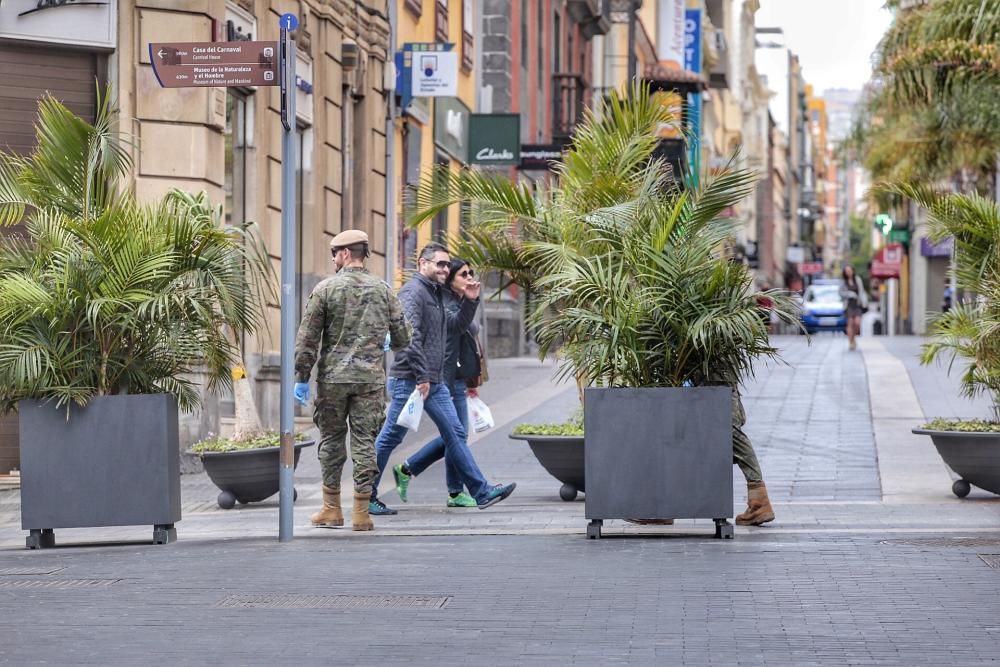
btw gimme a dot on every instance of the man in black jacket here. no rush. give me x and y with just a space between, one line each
420 367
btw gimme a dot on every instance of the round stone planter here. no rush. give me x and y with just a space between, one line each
975 458
246 475
562 457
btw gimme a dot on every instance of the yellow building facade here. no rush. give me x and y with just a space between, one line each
431 131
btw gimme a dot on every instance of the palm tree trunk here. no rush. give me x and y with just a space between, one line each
247 425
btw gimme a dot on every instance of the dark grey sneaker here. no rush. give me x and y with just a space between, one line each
378 508
497 493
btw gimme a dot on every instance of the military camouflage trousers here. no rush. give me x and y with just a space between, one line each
743 453
360 406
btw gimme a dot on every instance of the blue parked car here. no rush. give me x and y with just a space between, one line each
822 307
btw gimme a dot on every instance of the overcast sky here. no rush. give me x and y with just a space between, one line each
834 39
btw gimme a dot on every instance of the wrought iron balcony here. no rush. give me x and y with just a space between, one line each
569 99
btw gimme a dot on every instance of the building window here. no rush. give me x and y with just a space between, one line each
236 158
468 50
539 40
556 43
415 7
524 35
411 146
439 227
441 20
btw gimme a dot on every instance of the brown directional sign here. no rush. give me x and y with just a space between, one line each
210 64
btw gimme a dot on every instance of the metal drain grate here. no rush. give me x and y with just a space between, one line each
29 570
944 542
993 560
57 583
302 601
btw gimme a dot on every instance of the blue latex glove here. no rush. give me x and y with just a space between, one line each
301 392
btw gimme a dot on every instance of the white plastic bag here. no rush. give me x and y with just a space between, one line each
480 417
412 411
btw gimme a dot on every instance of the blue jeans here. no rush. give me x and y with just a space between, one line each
434 450
440 408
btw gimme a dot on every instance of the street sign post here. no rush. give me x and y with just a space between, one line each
289 293
214 64
225 64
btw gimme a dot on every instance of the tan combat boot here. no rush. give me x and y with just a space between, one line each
359 517
331 514
759 510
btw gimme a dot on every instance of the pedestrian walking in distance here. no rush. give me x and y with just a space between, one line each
461 366
347 317
421 366
852 291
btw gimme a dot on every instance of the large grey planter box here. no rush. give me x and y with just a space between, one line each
974 456
659 453
115 462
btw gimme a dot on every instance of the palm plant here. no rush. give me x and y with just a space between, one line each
106 295
630 284
970 330
930 112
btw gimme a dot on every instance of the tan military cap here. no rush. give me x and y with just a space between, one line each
348 237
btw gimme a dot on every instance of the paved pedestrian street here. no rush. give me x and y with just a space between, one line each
871 560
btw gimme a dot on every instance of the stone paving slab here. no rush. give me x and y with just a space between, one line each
516 600
841 577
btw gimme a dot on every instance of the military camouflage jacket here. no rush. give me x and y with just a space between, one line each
350 313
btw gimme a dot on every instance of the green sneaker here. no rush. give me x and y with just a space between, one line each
402 480
462 500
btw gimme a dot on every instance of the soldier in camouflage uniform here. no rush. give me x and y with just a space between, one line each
350 312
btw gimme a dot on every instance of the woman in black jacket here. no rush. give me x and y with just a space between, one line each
462 365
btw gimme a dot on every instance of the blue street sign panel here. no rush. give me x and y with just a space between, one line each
288 22
692 63
692 40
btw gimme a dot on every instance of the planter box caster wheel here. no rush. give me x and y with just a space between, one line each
961 488
40 538
567 492
594 529
226 500
164 533
724 530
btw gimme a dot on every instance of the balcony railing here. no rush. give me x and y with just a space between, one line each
569 99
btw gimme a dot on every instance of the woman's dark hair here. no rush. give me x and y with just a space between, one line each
456 265
843 272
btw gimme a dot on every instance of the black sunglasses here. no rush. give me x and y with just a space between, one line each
443 264
468 273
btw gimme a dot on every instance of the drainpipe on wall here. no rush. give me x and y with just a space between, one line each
390 152
633 9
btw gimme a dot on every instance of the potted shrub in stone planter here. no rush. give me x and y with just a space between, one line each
969 331
246 471
106 308
631 285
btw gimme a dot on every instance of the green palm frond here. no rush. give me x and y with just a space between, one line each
108 295
629 285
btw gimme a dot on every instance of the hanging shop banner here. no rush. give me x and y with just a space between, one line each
888 261
540 157
670 33
692 63
91 24
944 249
433 69
451 127
495 139
209 64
